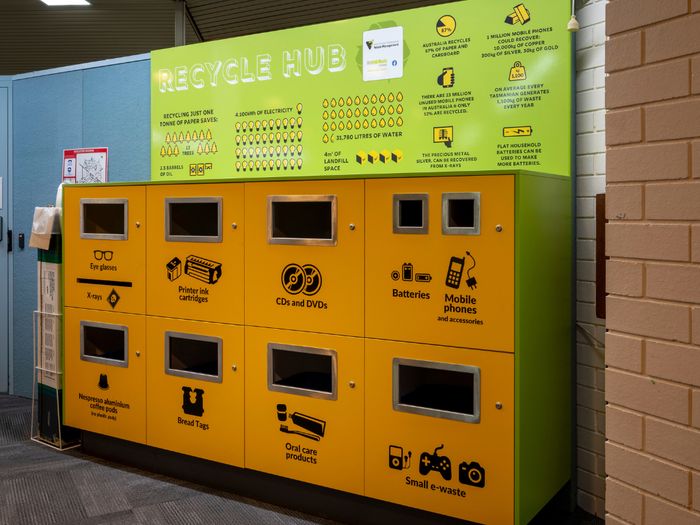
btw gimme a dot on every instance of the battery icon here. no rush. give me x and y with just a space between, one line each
407 272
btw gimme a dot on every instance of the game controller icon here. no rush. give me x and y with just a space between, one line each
472 474
433 461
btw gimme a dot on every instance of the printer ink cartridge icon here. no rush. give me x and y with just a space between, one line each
174 268
192 401
203 269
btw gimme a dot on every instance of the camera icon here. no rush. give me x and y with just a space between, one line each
472 474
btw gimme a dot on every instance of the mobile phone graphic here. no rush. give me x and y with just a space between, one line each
454 272
447 78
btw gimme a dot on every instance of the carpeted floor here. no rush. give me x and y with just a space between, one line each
41 486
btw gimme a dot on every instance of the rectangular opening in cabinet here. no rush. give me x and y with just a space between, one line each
194 356
442 390
302 370
461 213
410 211
103 343
105 219
302 220
193 219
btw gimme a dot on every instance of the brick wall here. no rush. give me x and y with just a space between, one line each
653 276
590 172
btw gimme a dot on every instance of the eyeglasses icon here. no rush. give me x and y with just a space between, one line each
99 255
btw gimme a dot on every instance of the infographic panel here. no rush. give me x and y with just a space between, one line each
461 87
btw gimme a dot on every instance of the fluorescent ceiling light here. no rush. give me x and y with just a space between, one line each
66 2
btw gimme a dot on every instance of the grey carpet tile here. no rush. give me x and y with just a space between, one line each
210 509
100 491
14 426
46 498
10 404
141 488
20 460
123 517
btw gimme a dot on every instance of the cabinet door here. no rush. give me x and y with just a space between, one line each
305 407
435 438
305 256
105 248
194 260
438 270
195 387
105 368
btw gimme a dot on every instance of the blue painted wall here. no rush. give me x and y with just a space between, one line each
106 106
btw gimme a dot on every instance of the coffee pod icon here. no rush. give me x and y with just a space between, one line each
282 412
104 385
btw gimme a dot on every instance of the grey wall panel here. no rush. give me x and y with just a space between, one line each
117 114
47 118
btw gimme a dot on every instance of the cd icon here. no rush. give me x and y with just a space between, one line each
312 279
294 278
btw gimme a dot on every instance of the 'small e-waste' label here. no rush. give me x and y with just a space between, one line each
468 86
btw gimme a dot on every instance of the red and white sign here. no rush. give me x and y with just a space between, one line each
82 166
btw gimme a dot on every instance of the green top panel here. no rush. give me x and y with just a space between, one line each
470 86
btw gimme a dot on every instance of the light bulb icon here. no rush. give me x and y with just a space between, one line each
299 108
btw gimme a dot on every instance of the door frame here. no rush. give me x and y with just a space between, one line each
6 82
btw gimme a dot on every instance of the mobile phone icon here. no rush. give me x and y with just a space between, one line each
454 272
447 78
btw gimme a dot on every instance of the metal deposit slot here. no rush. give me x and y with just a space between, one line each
461 213
193 219
302 219
410 212
302 370
104 219
103 343
441 390
194 356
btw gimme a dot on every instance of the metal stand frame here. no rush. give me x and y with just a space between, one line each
34 436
